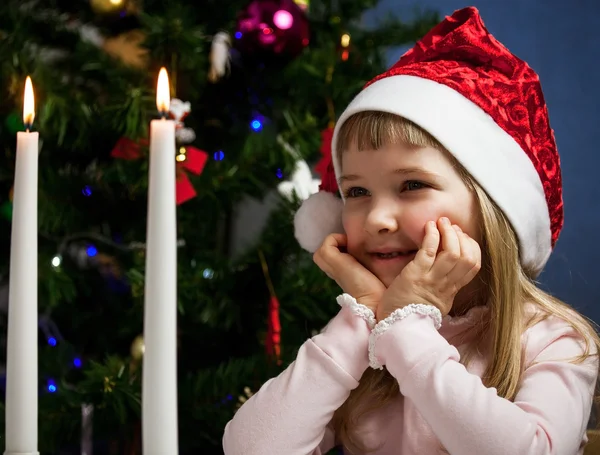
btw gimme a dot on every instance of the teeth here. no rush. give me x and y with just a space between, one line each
389 255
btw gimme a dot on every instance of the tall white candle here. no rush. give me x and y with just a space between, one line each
21 412
159 378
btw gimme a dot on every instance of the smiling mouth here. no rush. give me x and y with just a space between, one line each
394 254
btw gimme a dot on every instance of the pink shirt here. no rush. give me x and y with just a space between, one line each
442 403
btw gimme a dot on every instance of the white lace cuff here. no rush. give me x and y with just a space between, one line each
358 309
382 326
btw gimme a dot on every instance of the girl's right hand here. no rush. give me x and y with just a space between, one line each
348 273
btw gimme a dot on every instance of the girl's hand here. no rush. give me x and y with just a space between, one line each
347 272
434 277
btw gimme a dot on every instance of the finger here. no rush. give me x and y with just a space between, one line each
447 259
321 263
469 276
425 257
470 256
343 268
334 262
331 250
321 257
326 268
474 260
335 241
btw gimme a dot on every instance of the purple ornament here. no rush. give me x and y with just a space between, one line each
271 29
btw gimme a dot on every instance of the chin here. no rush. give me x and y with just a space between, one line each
385 273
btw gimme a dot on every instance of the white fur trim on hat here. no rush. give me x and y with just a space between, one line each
488 153
317 217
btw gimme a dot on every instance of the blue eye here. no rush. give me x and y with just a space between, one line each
355 191
413 185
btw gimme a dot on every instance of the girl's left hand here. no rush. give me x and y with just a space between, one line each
434 277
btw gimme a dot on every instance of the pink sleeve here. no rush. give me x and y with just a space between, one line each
290 413
550 412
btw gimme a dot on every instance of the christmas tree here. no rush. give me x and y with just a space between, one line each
255 90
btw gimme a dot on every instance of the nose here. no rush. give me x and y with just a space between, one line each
383 217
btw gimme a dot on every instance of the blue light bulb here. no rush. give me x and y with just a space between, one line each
51 386
256 125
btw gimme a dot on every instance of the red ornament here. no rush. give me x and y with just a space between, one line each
325 165
273 341
268 29
127 149
194 162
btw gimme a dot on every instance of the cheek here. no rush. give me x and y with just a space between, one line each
416 217
462 214
353 224
471 224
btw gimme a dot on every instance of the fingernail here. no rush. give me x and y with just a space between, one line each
457 228
445 220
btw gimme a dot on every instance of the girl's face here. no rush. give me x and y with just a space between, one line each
390 195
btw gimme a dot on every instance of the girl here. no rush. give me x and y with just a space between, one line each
451 202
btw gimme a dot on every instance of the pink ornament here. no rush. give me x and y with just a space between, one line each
271 30
283 19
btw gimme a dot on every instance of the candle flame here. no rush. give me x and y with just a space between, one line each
163 97
28 104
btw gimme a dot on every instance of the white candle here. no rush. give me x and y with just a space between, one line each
159 378
21 412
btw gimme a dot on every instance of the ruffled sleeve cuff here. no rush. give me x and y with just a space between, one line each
423 318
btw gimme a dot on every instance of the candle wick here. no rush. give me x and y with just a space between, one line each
163 115
27 127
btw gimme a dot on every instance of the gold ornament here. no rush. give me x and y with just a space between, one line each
109 384
137 347
108 7
303 4
243 398
181 156
116 8
128 47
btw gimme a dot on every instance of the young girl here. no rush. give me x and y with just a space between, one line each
451 202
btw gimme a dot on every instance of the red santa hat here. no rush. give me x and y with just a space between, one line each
486 107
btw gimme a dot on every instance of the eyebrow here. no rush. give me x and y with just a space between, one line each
402 171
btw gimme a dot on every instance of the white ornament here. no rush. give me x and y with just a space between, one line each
90 34
219 56
185 135
179 110
301 182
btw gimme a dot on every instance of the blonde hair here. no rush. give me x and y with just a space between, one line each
507 287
